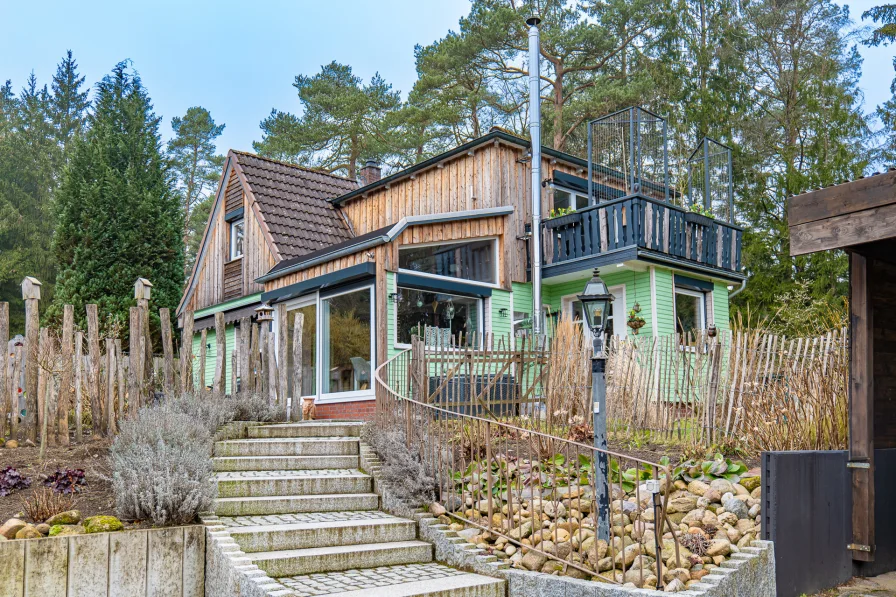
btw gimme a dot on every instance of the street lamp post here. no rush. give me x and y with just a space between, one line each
595 301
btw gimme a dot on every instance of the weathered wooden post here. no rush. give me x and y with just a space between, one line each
94 383
135 361
14 388
111 366
235 359
220 354
272 371
167 350
45 387
79 364
255 361
245 372
4 344
65 385
31 294
186 354
122 388
283 357
142 289
203 353
297 332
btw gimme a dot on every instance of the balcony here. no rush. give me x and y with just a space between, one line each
644 228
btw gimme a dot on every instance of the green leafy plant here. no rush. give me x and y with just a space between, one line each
631 477
699 209
560 211
717 467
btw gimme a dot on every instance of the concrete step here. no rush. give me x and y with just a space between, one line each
281 537
281 483
309 429
343 557
413 580
281 463
300 446
286 504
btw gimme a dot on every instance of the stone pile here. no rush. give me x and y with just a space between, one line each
64 523
712 520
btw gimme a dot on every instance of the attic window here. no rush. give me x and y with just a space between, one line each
236 238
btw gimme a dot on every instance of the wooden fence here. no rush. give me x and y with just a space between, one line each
54 377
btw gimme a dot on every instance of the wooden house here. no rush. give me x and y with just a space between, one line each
445 243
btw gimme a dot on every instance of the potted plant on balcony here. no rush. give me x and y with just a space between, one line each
699 215
562 216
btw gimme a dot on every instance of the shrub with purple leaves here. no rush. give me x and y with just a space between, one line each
11 480
66 481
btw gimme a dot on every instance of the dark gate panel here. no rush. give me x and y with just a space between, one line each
807 512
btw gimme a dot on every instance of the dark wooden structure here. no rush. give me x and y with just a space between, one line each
859 217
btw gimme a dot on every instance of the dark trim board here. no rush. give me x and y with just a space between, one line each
344 276
585 264
702 270
447 286
234 215
693 283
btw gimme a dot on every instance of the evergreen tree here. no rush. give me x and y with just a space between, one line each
196 166
343 122
119 217
68 104
884 17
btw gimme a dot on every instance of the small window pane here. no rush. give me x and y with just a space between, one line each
688 312
561 199
449 315
470 261
236 239
581 201
347 358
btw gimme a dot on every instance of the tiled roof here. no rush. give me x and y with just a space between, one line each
294 203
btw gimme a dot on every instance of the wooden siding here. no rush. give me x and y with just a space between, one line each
491 177
233 279
216 280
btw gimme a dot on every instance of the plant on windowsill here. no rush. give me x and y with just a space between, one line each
635 321
697 214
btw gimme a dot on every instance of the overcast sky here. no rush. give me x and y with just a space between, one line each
239 59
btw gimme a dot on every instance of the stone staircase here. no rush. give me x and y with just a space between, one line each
294 500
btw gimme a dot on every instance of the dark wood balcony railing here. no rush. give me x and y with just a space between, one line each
645 224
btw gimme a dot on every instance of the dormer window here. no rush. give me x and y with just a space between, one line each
237 228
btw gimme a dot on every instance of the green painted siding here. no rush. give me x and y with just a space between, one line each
665 302
212 352
390 317
522 297
501 326
720 307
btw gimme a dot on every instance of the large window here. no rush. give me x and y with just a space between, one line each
564 199
474 260
690 311
347 342
449 320
309 348
236 238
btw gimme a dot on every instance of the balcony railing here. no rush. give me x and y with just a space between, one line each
648 225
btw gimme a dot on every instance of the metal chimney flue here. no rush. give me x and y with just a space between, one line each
535 137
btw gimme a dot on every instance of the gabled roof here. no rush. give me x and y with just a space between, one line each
293 202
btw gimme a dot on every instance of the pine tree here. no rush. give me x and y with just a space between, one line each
119 217
196 167
343 122
68 104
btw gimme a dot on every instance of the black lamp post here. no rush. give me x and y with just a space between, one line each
595 301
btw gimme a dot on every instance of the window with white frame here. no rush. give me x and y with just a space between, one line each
690 312
572 308
469 260
237 228
347 341
567 199
448 319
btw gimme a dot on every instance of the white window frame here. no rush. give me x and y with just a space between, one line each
619 298
241 222
315 299
480 305
497 255
702 311
572 193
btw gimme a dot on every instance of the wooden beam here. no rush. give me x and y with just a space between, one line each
861 407
843 231
858 195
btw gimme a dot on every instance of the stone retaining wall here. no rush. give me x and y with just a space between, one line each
750 573
153 562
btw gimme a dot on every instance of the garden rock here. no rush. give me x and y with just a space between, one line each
11 527
698 488
102 524
675 586
722 485
751 483
718 547
682 503
736 507
28 532
533 561
42 528
64 530
67 517
11 444
437 509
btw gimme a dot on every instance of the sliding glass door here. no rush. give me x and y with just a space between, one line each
347 344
